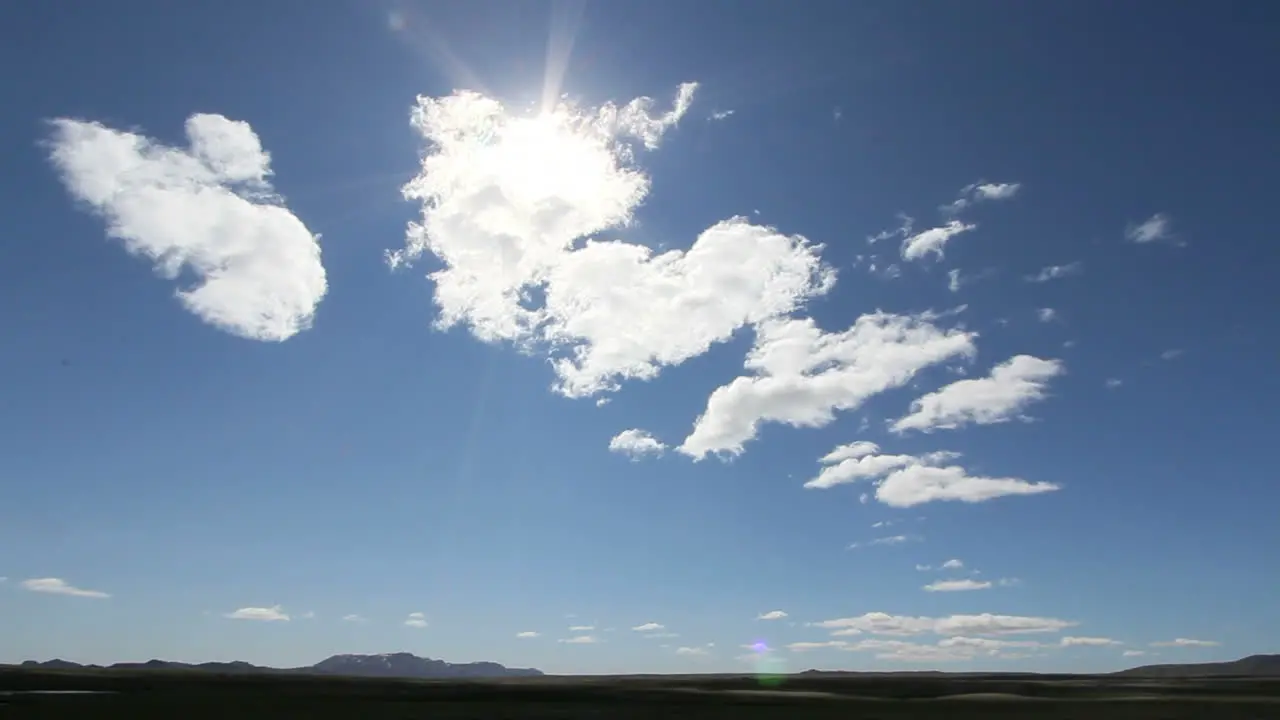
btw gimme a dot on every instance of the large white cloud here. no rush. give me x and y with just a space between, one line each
909 480
513 206
999 397
802 375
209 210
880 623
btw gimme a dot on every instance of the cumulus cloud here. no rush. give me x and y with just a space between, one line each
579 640
649 627
1000 397
1070 641
528 634
771 615
353 617
636 444
957 585
512 207
801 375
1186 642
879 623
58 586
1156 227
933 241
416 620
208 212
909 480
265 614
1055 272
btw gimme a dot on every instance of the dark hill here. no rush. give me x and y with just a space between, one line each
1252 666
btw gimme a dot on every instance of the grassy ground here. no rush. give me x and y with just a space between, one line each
143 696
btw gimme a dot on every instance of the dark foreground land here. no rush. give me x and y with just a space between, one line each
144 695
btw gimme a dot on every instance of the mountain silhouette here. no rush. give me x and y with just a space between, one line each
386 665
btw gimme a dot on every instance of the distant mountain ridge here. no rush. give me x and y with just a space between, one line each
386 665
1252 666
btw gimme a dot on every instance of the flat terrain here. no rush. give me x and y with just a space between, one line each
146 695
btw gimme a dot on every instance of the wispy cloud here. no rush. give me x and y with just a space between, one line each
649 627
1171 354
1055 272
1113 383
636 444
1000 397
933 241
980 192
1070 641
528 634
1186 642
58 586
771 615
265 614
208 210
416 620
889 540
579 640
1156 227
720 115
354 618
1046 315
1134 653
581 628
957 585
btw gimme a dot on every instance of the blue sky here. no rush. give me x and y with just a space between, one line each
232 395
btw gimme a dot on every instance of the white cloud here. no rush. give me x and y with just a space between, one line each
720 115
908 480
803 375
1070 641
649 627
416 620
507 204
1170 354
1046 315
1113 383
58 586
692 651
528 634
879 623
952 649
903 230
1186 642
636 444
353 617
265 614
933 240
978 192
581 628
953 564
999 397
579 640
1134 653
953 280
209 211
771 615
1156 227
1055 272
957 585
890 540
807 646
